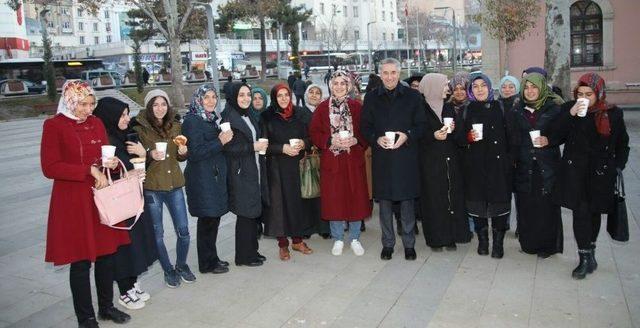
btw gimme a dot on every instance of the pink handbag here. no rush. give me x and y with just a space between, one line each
120 200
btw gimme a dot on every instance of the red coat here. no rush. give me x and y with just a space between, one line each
343 180
74 231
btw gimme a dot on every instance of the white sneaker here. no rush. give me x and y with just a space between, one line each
141 293
357 247
337 247
131 301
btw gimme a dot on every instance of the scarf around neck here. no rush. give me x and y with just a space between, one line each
601 107
196 107
286 112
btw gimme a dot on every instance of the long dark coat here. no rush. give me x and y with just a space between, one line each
395 171
444 219
548 158
589 161
488 164
206 171
285 215
246 184
343 179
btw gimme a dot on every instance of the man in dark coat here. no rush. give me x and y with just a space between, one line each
394 109
291 79
299 88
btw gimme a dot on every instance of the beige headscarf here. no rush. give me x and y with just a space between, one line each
73 92
432 86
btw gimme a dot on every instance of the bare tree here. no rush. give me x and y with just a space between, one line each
557 43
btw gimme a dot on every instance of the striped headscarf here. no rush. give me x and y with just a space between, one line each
600 108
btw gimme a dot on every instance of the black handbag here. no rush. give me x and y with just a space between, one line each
617 220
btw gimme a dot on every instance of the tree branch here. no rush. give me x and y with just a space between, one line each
185 17
149 12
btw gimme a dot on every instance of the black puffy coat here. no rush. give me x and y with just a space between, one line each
395 171
547 158
589 161
206 171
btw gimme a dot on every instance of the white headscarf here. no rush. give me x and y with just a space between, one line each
306 96
73 92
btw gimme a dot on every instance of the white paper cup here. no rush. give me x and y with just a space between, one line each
447 122
162 147
391 137
108 152
534 134
344 134
138 163
478 128
294 142
585 101
226 126
263 140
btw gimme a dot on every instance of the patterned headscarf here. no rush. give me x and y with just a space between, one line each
286 112
432 86
487 80
340 118
197 107
73 92
512 79
540 82
600 108
306 96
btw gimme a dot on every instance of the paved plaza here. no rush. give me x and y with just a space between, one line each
448 289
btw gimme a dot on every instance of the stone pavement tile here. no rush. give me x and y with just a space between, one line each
417 315
23 239
59 314
21 309
627 262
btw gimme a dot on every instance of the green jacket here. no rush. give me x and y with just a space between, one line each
163 175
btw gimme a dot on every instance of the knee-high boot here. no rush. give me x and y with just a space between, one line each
497 250
483 241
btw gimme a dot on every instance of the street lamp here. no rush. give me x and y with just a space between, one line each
455 34
369 44
329 39
213 58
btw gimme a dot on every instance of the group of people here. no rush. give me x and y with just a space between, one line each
446 150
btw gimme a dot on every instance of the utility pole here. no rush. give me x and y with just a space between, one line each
369 45
455 34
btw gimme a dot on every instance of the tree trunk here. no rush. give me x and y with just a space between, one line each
176 74
294 40
263 50
506 60
557 44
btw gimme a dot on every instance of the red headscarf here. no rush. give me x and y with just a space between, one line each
600 108
286 112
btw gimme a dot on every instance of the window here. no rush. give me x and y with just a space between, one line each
80 26
355 11
65 11
391 16
108 27
586 34
95 27
356 35
108 38
106 15
334 9
383 14
82 40
50 24
344 10
384 36
391 36
321 8
96 39
66 25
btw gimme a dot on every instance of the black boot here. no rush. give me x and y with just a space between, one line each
583 267
593 265
483 241
497 250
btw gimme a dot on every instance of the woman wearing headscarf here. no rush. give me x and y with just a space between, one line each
285 216
445 220
258 102
134 259
509 92
206 174
487 165
537 161
596 150
343 187
313 97
70 155
247 186
164 181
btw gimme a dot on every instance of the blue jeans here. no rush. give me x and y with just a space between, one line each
337 230
174 199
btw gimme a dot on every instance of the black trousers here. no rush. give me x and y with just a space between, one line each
300 98
81 286
207 235
499 223
246 240
586 226
126 284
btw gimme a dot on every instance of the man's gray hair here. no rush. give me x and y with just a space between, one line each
390 60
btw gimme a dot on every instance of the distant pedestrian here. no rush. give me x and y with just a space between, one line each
299 88
290 80
307 69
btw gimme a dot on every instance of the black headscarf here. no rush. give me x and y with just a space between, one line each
109 110
232 97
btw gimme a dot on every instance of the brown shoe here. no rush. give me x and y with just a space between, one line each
302 248
284 254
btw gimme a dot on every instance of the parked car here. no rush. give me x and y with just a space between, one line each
33 88
96 73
